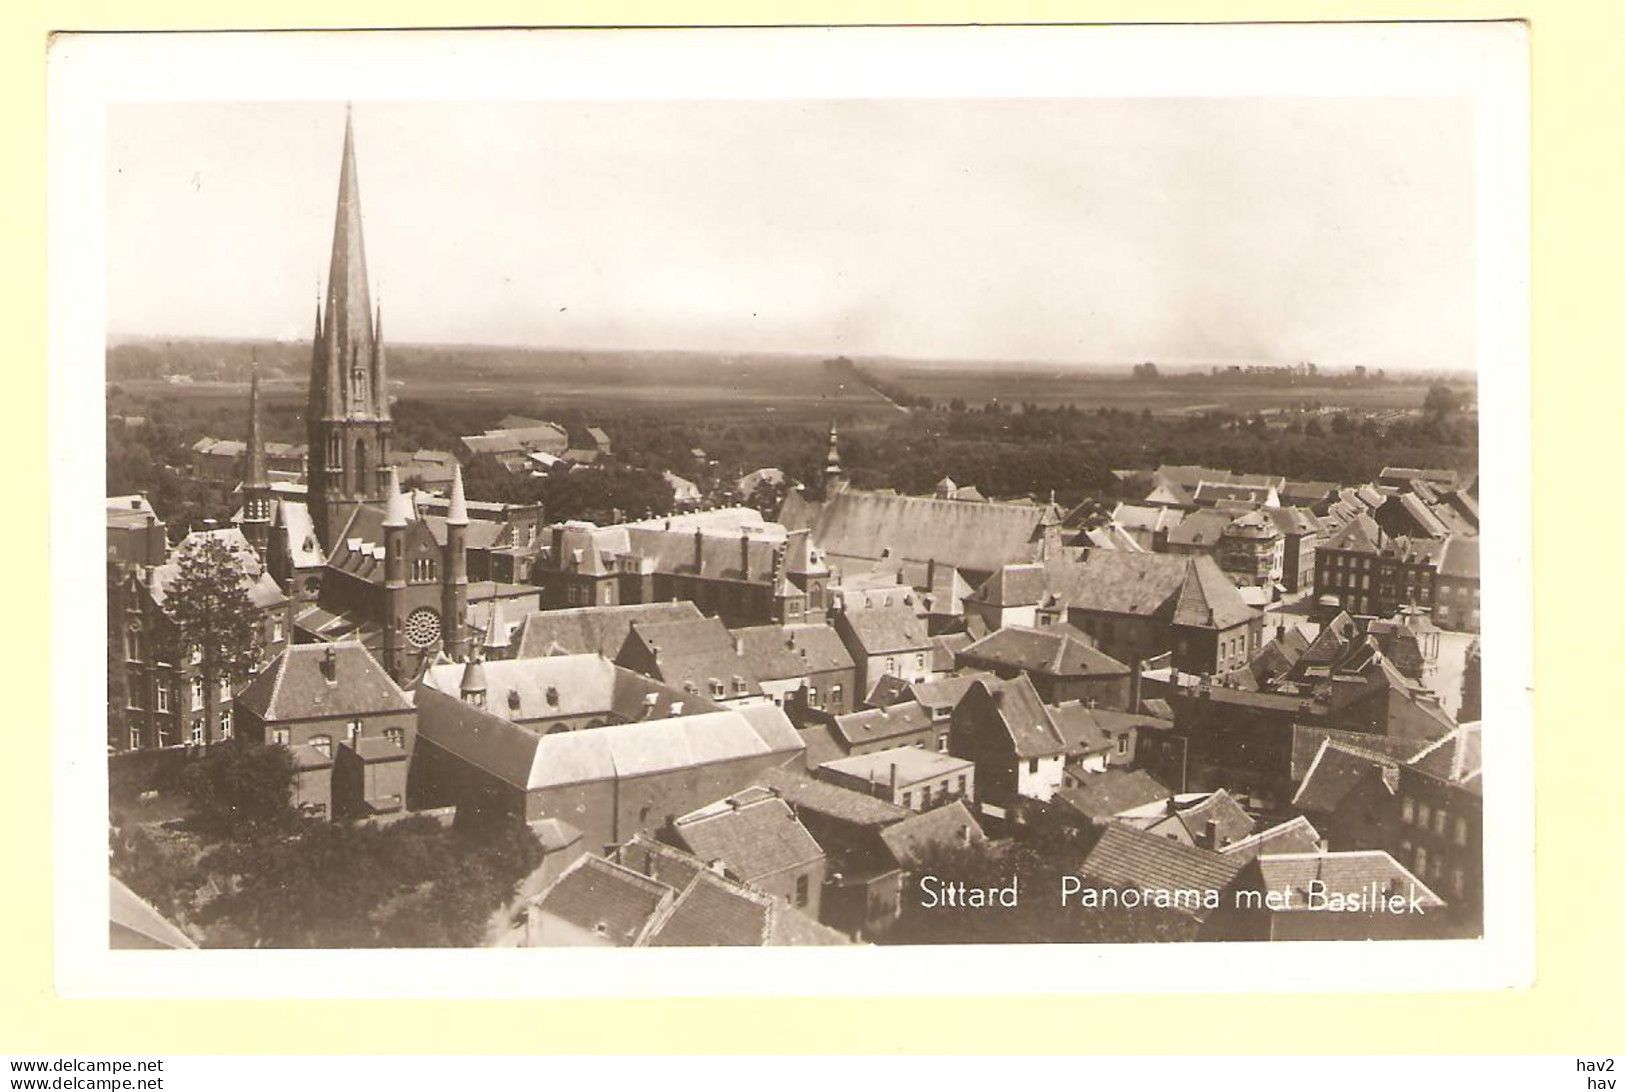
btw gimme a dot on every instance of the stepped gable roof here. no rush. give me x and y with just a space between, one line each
946 827
807 793
1459 560
1112 792
607 899
753 833
1336 769
888 722
1349 873
1056 651
1023 715
1360 534
322 680
592 629
1457 758
1200 528
695 652
1020 585
1127 857
880 630
561 687
1296 835
1180 590
977 536
1220 808
791 651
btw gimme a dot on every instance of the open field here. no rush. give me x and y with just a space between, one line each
794 389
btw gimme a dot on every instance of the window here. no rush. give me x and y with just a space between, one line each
1458 881
1461 831
1407 810
1438 821
835 697
276 631
196 736
323 744
963 785
135 739
1032 765
135 644
353 730
919 662
1122 744
717 689
163 734
1423 814
812 696
1421 860
396 736
225 688
279 736
942 743
908 800
891 665
225 724
137 684
801 890
197 692
925 797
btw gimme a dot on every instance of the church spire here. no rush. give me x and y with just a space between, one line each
254 457
834 476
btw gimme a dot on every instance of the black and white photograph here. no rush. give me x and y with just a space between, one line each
760 513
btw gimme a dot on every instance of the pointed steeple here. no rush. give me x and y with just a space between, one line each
349 302
254 475
834 477
399 510
496 628
457 510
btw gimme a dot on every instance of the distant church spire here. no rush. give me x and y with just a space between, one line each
834 476
256 525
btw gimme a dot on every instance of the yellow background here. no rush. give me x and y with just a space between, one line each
1578 195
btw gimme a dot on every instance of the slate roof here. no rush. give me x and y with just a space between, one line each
1131 858
1457 758
807 793
792 651
1112 792
1219 492
1185 591
754 833
974 536
1360 534
1307 494
821 745
946 827
1014 585
1221 808
1202 528
1348 873
1055 651
1334 773
1417 509
295 685
696 652
879 630
1086 730
945 692
592 629
711 912
1306 741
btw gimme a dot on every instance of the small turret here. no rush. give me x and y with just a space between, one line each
834 476
399 510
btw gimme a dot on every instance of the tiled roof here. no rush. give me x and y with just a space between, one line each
1112 792
889 722
792 651
1457 758
1202 528
945 692
1213 492
754 833
711 912
1349 873
695 653
880 630
563 687
946 827
1014 585
1024 717
1296 835
807 793
1131 858
607 899
1187 591
975 536
1306 741
1334 773
1086 729
1359 534
129 511
1233 824
910 763
1056 651
821 745
592 629
337 680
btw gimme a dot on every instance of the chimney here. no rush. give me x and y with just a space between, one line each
894 781
1210 834
744 554
964 834
330 664
1136 666
739 645
699 549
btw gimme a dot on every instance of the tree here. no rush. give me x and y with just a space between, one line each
1441 401
241 789
213 616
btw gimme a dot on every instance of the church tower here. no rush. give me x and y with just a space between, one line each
256 482
834 476
348 413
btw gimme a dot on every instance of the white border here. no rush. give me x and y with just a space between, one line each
1486 64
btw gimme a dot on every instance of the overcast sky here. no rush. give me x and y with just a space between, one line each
1333 230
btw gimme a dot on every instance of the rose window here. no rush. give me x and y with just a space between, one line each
423 627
